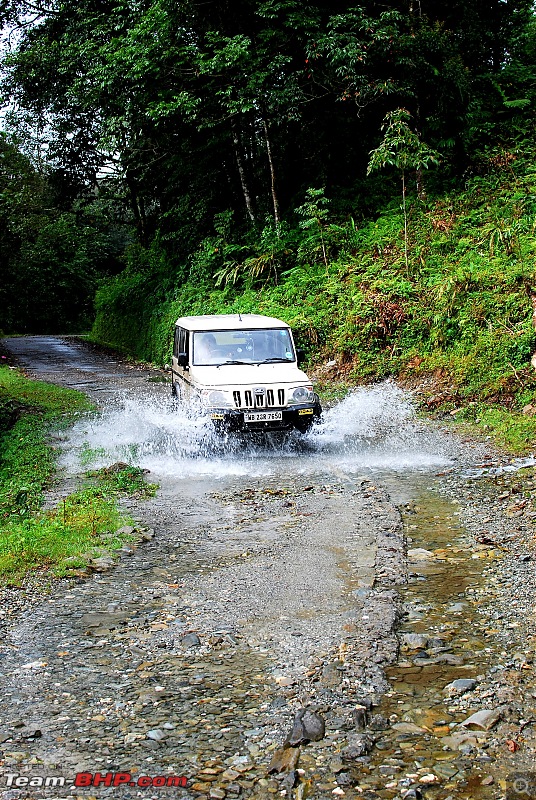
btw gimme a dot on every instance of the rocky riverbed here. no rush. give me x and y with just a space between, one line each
318 631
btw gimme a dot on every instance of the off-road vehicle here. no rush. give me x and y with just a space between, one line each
242 370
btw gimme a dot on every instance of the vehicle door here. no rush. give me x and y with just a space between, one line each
181 367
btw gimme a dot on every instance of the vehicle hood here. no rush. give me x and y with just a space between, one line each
228 375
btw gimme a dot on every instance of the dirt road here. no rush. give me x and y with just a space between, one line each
250 647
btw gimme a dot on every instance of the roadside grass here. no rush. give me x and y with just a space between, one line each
510 431
82 526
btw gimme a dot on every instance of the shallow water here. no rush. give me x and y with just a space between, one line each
439 605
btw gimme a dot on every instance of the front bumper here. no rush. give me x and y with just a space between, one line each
300 417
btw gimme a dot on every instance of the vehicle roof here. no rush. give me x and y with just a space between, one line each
213 322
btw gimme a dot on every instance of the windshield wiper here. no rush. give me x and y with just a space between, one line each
233 362
275 358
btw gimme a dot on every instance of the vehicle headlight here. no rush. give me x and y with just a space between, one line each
215 398
303 394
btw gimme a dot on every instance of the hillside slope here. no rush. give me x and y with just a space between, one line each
456 322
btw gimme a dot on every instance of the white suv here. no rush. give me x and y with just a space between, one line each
243 371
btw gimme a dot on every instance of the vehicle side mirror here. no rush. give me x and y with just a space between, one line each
182 359
300 355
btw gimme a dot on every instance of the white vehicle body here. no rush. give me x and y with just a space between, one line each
242 369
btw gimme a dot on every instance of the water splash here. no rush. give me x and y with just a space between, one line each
374 414
373 428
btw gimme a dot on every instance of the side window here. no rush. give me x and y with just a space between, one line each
183 340
180 343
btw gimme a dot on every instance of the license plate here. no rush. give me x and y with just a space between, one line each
263 416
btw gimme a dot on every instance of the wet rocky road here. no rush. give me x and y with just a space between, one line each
246 645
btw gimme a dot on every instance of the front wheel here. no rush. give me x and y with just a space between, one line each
176 392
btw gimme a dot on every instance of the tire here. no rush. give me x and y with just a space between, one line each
176 392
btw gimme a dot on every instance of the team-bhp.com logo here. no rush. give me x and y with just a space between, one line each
87 779
521 786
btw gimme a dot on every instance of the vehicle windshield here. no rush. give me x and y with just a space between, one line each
242 346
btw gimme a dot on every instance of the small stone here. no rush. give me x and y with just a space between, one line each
308 727
31 734
191 640
484 719
104 619
419 554
358 745
446 770
126 530
408 727
415 641
460 686
284 760
359 717
289 781
379 723
488 781
428 779
156 735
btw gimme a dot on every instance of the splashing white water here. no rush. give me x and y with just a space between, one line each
373 428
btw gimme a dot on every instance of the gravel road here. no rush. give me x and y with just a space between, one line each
254 641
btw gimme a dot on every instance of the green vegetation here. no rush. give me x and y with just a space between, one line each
83 525
509 430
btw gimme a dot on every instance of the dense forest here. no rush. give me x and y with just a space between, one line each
363 171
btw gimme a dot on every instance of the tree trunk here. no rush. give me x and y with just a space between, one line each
277 218
419 179
138 208
405 221
242 173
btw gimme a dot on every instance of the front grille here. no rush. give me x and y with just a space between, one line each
248 399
